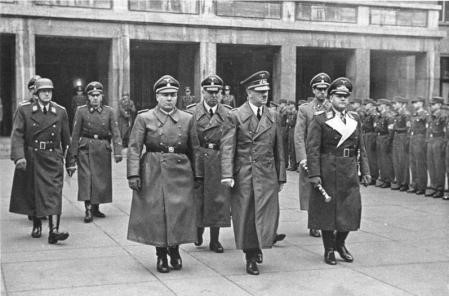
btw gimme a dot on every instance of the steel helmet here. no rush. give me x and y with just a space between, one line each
43 83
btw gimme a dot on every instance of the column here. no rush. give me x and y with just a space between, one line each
205 63
358 70
424 74
119 66
284 74
25 60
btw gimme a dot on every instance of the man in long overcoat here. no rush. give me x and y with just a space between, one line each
213 199
40 138
253 165
93 129
163 209
333 143
319 85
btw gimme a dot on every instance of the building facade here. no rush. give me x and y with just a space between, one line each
386 47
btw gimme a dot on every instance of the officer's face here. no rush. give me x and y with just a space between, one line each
211 97
187 92
417 105
227 91
257 98
95 99
355 105
339 101
167 101
320 93
435 106
79 92
45 95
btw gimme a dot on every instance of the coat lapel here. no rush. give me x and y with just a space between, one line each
345 130
265 123
43 120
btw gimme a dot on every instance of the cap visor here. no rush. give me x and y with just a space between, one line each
320 85
211 88
166 90
343 93
95 91
261 88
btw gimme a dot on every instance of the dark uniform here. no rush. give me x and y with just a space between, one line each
333 145
213 198
418 163
384 145
186 100
90 149
370 139
228 99
291 123
283 114
436 150
126 115
40 136
400 150
78 100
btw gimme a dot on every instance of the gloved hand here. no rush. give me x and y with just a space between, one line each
118 158
315 181
303 164
21 164
229 182
71 170
134 183
366 180
281 187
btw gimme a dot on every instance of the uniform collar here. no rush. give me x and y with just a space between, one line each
99 109
207 107
254 108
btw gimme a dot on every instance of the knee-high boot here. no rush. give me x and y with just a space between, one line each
37 227
54 236
214 244
329 246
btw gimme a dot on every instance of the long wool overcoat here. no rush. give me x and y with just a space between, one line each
90 149
253 155
37 191
327 139
163 212
213 198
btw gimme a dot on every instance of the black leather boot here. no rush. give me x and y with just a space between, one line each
37 227
199 236
251 263
214 244
175 257
96 211
162 262
329 246
54 236
341 248
88 218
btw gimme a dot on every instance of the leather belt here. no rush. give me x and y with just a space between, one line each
96 137
43 145
382 134
346 152
211 146
436 135
169 149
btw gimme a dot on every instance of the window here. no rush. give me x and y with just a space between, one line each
444 12
107 4
398 17
173 6
321 12
444 77
249 9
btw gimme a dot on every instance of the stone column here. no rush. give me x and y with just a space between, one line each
358 70
424 74
25 63
284 74
119 66
206 63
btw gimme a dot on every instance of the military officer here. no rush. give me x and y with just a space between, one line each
90 149
227 98
319 85
213 199
126 115
163 210
383 127
186 100
291 123
253 164
401 141
334 141
40 138
79 99
418 163
435 148
370 137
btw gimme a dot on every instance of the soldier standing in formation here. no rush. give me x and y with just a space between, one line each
90 149
79 99
435 148
227 98
126 114
418 164
253 165
186 100
333 142
213 200
291 123
163 211
370 137
400 148
319 85
39 141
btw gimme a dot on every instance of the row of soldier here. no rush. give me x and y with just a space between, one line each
190 170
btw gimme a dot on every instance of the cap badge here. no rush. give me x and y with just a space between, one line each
263 81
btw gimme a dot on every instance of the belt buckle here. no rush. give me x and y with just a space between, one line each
210 146
346 152
95 136
171 149
42 145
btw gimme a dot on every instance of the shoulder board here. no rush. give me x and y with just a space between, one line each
142 111
25 103
57 105
106 106
227 106
329 114
191 106
82 106
319 112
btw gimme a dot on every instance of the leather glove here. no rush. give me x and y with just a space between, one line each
303 164
315 181
71 170
21 164
118 158
366 180
229 182
134 183
281 187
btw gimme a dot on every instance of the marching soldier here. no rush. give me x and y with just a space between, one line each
435 148
253 160
90 149
126 114
186 100
334 141
370 137
401 142
40 138
227 98
383 126
213 200
319 85
163 211
418 163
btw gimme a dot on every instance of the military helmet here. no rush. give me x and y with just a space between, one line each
32 82
43 83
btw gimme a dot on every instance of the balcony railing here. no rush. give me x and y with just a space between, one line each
249 9
172 6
